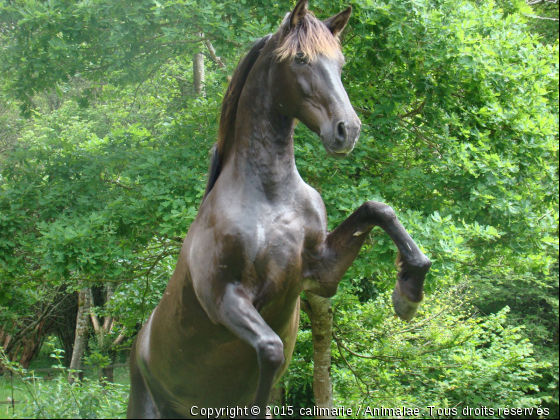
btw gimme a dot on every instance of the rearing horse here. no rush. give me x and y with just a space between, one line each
225 328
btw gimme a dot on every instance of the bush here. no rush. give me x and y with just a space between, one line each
60 399
448 358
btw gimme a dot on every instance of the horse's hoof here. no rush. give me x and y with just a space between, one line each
404 307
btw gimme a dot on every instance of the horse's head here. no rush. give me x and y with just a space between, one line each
307 79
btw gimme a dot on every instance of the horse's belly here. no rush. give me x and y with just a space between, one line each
204 365
226 375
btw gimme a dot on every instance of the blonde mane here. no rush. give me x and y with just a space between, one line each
311 38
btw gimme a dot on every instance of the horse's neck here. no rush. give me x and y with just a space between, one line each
263 150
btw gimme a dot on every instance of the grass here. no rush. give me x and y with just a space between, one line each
21 393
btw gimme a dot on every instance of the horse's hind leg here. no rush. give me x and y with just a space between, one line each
237 313
140 403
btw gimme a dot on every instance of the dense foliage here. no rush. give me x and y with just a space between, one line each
85 399
104 153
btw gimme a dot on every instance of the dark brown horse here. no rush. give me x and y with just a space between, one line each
226 326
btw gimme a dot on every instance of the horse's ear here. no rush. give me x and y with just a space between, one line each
298 13
337 23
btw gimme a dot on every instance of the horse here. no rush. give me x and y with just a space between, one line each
225 329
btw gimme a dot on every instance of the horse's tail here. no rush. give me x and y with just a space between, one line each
214 169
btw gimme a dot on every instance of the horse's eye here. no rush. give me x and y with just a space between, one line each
301 58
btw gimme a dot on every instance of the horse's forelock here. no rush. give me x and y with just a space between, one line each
311 38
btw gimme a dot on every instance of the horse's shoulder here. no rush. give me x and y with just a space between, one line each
313 204
315 216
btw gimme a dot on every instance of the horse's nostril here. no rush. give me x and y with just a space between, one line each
341 131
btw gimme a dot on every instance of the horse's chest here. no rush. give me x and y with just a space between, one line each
278 242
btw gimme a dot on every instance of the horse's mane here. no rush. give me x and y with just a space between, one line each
229 109
231 98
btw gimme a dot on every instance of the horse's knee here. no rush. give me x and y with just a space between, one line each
271 353
420 265
423 264
380 212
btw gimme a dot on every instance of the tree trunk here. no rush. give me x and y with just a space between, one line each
30 349
81 337
7 340
278 395
32 343
199 77
320 314
102 333
108 321
14 352
109 372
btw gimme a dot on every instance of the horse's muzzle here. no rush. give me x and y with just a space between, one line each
341 140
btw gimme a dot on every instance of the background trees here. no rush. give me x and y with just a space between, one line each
104 141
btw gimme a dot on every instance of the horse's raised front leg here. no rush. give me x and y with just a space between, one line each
237 313
342 245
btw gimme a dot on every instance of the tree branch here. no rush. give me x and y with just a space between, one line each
95 322
356 376
17 337
541 17
533 2
365 111
415 111
119 339
363 356
212 52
